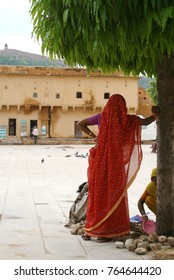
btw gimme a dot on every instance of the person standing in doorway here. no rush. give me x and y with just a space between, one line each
35 134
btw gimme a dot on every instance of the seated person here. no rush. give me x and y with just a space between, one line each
149 196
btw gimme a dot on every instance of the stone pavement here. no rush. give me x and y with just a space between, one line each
35 199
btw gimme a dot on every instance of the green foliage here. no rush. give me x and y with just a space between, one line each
152 90
106 34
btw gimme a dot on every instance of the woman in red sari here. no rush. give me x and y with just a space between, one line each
113 165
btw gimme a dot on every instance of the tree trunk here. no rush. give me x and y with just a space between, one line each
165 139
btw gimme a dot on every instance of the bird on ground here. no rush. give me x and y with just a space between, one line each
42 161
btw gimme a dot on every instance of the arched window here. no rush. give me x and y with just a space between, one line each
35 95
78 94
57 95
106 95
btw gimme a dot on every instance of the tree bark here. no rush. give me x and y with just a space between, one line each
165 140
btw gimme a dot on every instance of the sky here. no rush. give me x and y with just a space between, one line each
16 26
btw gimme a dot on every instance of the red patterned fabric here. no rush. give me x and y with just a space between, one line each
113 165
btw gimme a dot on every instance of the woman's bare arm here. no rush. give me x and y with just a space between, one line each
141 202
83 125
152 118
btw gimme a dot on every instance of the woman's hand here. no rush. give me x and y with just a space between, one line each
144 217
155 110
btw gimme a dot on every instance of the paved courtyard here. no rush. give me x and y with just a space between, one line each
35 198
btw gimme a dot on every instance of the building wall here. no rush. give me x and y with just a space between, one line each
48 96
145 103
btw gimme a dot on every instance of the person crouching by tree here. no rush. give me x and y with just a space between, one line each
149 196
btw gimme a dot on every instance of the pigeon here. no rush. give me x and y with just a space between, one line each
42 161
83 156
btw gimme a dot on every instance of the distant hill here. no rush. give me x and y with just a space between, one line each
144 82
19 58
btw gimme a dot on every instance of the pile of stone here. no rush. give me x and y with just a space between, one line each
78 228
147 243
156 247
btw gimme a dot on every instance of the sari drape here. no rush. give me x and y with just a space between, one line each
113 165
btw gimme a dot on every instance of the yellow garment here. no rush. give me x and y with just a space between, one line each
154 172
151 189
151 197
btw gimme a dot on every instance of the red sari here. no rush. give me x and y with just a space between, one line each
113 165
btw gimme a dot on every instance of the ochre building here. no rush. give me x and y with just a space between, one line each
55 99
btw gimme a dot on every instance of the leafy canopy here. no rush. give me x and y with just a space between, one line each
106 34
